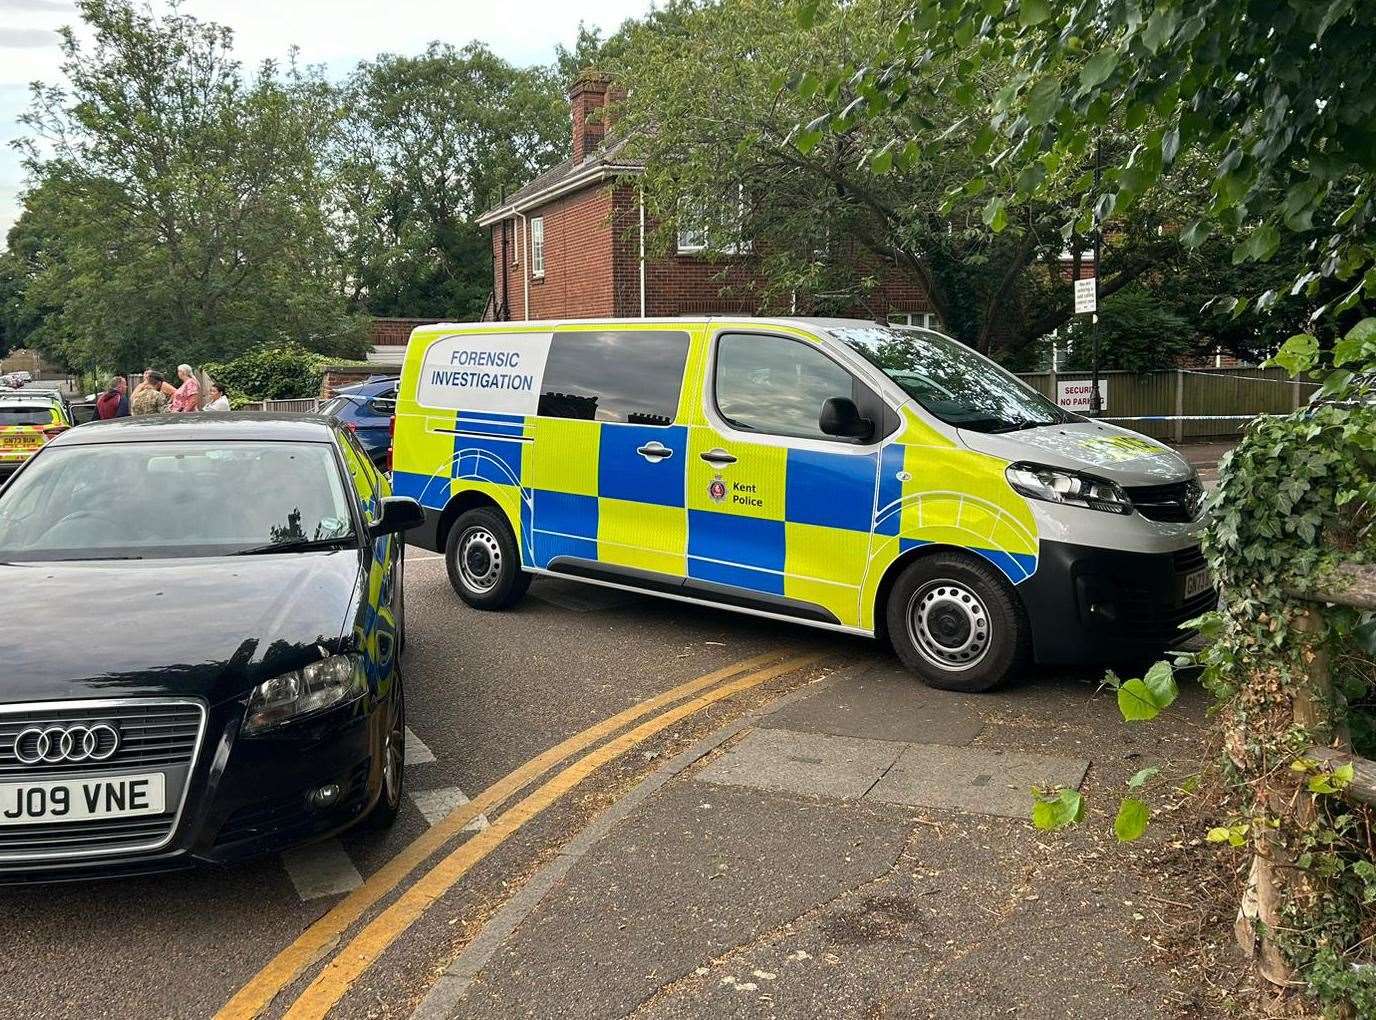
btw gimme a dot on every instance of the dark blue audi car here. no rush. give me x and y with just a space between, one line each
202 621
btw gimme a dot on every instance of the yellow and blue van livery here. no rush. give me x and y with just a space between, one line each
864 478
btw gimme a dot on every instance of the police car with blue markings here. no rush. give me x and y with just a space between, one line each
850 475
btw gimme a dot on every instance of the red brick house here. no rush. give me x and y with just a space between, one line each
572 244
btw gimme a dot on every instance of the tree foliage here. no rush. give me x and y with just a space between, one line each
178 198
1276 102
427 143
1138 332
716 94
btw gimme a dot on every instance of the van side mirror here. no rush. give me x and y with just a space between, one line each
840 417
396 514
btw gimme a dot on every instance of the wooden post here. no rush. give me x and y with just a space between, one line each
1179 406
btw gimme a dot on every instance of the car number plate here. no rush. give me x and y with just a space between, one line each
19 442
1197 582
80 800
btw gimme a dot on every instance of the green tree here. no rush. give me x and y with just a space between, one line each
715 93
181 199
429 142
1137 333
1273 103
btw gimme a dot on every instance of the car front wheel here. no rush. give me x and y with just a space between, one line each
955 623
388 805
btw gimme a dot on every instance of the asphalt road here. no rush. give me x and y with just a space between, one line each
485 693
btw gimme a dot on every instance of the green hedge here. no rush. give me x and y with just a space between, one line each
278 372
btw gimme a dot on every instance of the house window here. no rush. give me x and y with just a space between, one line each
692 227
696 221
510 227
537 246
927 320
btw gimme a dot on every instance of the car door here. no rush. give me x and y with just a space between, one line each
383 559
778 508
606 475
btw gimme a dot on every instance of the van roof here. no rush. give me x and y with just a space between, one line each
767 320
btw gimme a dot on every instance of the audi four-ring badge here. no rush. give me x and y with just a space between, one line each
201 678
48 745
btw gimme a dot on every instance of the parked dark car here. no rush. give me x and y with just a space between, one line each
201 618
367 411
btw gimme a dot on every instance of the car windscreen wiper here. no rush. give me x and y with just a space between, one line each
298 545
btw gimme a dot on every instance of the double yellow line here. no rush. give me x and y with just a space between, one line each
354 959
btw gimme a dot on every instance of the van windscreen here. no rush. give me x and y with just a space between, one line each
951 381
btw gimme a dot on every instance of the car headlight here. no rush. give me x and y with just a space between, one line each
302 691
1056 485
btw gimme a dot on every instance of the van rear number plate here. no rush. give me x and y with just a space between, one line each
1197 582
82 800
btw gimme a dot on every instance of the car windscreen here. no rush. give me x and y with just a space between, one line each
951 381
20 414
148 500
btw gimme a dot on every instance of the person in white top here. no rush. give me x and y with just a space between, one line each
218 400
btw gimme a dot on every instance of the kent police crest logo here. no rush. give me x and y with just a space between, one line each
717 490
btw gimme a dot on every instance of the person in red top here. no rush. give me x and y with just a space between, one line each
114 402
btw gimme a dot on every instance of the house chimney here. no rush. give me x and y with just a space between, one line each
590 93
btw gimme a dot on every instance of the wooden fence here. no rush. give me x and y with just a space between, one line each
1209 403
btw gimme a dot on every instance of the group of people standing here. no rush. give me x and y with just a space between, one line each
155 395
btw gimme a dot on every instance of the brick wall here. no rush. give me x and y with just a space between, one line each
394 332
337 377
578 281
592 270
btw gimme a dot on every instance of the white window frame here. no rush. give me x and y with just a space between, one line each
515 243
926 320
537 247
692 228
691 235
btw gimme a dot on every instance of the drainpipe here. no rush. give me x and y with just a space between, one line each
525 262
641 191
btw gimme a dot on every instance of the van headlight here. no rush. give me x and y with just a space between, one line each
320 685
1057 485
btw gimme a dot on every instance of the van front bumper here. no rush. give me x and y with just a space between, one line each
1093 605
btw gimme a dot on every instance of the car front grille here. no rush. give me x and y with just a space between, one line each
1175 503
156 735
151 735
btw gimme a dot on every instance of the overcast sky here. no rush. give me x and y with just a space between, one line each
337 33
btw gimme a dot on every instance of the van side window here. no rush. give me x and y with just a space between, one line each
777 386
633 376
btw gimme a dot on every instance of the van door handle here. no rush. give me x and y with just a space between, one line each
719 457
654 451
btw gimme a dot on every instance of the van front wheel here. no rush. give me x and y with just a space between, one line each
953 622
484 561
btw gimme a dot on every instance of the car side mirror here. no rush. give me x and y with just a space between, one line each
396 514
840 417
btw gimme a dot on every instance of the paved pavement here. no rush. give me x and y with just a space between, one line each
801 830
860 852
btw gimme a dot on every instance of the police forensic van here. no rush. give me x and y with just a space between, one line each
865 478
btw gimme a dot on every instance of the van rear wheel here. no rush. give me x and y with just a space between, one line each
484 561
954 622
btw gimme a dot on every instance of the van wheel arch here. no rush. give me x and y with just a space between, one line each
896 568
457 507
